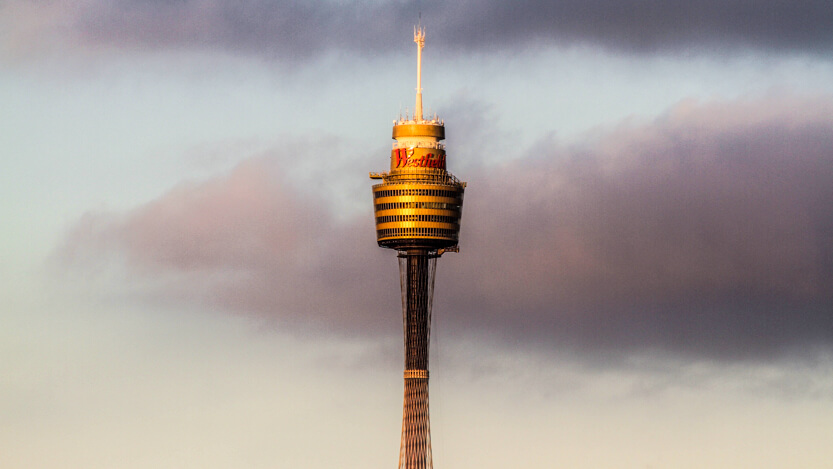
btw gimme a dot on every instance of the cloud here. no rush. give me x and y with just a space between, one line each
646 26
296 30
707 232
248 242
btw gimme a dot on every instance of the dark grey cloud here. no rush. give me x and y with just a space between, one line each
647 26
290 29
707 232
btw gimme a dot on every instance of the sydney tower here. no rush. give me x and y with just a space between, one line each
418 207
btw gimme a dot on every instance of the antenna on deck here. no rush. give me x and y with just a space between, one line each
419 39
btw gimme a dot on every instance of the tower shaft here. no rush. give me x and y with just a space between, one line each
417 268
417 292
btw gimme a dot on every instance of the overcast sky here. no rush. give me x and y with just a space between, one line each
189 271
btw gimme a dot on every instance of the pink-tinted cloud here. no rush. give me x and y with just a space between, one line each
249 242
708 231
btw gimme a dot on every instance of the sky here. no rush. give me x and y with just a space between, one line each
188 268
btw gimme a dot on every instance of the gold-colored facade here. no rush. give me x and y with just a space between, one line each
419 204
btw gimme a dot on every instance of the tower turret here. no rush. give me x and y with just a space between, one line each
420 203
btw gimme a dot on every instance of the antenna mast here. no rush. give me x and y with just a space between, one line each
419 39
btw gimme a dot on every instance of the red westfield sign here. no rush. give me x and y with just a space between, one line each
404 158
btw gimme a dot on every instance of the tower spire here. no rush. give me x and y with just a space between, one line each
419 39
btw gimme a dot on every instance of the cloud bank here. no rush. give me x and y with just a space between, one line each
705 232
290 29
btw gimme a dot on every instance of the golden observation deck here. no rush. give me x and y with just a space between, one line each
420 203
